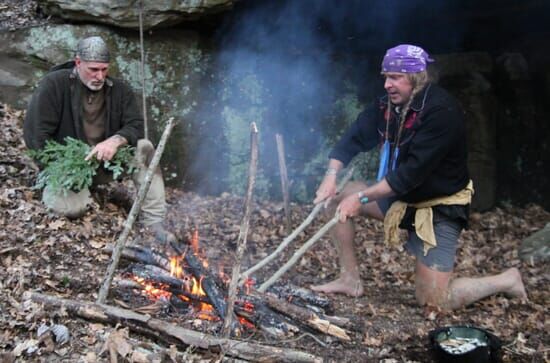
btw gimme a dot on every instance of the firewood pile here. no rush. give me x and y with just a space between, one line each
184 285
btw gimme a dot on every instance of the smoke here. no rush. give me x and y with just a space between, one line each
304 69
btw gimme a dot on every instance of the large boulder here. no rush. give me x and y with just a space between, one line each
466 76
125 13
536 247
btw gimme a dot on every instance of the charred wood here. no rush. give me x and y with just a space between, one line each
301 296
302 315
212 290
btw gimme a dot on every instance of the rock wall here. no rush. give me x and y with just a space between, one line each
216 94
125 13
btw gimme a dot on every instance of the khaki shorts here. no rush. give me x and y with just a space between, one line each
442 257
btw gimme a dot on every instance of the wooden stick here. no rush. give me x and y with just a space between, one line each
295 233
140 254
144 188
169 332
243 232
284 180
142 70
305 316
299 253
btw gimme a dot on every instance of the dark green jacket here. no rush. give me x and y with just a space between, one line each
55 110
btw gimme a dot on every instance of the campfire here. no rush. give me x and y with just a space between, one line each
184 284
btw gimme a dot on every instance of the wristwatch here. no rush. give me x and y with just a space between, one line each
363 199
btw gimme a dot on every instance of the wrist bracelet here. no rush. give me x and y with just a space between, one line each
363 199
331 171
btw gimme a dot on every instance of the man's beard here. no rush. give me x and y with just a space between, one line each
95 85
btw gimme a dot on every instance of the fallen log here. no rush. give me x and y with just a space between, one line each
170 332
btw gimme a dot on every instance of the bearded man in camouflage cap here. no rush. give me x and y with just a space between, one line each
78 99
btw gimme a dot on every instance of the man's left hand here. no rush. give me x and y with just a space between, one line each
107 149
349 207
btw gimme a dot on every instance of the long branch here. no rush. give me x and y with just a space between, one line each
284 179
295 233
243 233
144 188
299 253
168 332
142 71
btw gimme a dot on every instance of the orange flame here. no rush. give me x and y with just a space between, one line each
248 284
151 290
246 323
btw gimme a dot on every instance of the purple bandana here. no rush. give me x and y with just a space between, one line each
405 58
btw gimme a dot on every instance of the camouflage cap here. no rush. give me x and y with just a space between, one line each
93 49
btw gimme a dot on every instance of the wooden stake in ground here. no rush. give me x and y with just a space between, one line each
295 233
144 188
142 70
284 180
299 253
243 232
169 332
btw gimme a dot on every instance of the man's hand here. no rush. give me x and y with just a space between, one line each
107 149
349 207
326 190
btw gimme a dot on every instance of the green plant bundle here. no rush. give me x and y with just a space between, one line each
65 168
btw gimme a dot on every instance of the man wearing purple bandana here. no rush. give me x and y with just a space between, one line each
423 185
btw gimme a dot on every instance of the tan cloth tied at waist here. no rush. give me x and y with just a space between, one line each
423 219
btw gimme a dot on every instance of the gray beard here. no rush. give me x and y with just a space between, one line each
95 87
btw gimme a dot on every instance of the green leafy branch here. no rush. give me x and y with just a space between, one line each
65 167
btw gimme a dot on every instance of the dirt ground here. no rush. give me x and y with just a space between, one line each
56 256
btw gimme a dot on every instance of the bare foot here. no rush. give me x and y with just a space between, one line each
517 289
348 286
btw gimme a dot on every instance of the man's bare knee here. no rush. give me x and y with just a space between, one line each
432 286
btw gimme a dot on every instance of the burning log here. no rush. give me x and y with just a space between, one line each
276 317
173 285
210 287
170 332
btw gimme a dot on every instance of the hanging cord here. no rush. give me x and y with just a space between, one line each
388 110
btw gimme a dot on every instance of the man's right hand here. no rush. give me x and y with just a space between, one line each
327 189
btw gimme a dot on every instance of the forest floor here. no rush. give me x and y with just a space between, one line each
43 253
